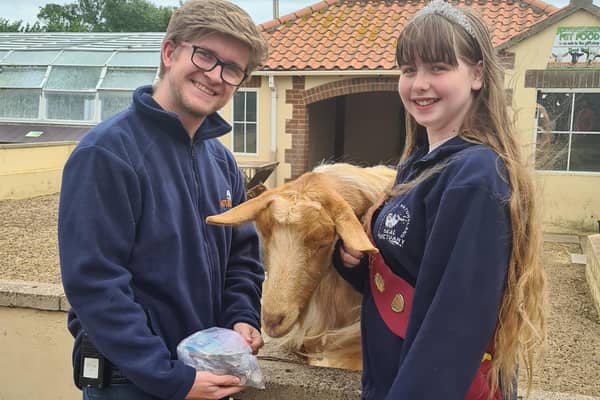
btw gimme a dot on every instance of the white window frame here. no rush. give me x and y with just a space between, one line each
233 122
570 132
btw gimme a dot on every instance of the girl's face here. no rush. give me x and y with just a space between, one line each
438 95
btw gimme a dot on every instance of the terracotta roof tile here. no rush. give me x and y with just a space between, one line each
361 34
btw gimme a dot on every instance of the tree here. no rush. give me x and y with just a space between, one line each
17 26
57 18
135 16
91 14
8 26
105 16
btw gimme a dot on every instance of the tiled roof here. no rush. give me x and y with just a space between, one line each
361 34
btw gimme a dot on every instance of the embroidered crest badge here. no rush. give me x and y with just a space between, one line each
396 225
226 203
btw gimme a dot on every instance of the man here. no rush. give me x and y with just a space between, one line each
140 267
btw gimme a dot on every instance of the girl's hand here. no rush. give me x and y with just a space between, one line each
209 386
250 334
350 257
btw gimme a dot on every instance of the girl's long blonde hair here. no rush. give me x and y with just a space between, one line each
520 334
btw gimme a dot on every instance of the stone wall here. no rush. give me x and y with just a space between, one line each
592 270
32 169
35 346
35 355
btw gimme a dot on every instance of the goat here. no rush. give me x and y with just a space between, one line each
305 301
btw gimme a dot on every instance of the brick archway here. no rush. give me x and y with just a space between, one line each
300 98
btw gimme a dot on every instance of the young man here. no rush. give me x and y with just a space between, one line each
140 267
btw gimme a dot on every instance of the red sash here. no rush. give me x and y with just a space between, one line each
393 298
392 295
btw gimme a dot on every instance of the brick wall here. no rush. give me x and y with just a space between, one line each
300 98
591 247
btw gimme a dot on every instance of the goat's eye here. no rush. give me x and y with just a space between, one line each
320 244
319 240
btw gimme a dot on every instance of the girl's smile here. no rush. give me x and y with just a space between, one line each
438 95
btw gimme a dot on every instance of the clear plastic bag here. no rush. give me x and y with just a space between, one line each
222 352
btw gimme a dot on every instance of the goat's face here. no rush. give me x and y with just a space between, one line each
298 224
297 239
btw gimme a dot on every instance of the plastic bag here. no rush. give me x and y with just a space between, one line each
222 352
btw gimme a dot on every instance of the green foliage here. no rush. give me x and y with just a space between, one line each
135 16
8 26
57 18
18 26
102 16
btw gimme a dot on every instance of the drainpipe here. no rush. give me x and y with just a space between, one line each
273 122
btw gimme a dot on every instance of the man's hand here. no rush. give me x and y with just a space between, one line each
250 334
209 386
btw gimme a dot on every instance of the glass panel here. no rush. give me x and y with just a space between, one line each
585 153
551 151
587 112
136 59
2 54
30 57
114 102
119 78
554 111
238 138
73 78
22 76
250 138
70 106
251 106
238 106
19 103
83 57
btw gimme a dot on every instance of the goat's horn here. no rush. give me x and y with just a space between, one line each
244 212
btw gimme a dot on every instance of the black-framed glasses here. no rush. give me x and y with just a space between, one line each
206 61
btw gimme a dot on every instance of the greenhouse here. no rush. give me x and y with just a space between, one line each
73 78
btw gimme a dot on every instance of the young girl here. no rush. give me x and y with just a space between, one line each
454 300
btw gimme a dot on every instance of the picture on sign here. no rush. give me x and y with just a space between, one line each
576 47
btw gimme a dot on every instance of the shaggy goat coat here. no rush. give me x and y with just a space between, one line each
305 302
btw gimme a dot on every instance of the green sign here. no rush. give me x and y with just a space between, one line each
576 47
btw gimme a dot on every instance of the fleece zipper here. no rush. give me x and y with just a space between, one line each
201 216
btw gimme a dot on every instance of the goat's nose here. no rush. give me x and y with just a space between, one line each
272 320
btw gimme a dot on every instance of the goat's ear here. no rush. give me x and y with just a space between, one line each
347 224
352 232
247 211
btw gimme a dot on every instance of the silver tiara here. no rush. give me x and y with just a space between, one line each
440 7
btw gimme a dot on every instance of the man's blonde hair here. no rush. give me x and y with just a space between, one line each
197 18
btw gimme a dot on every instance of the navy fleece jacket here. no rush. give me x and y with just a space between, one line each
449 236
140 267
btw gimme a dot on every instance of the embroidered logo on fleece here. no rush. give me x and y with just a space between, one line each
226 203
395 226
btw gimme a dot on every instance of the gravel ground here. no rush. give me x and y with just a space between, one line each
28 251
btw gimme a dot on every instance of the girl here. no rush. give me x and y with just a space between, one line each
460 302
